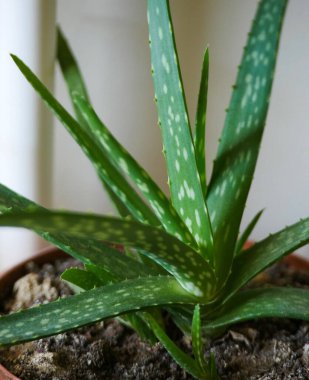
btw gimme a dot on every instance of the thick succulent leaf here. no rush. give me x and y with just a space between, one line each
88 251
104 276
188 267
212 367
13 202
95 252
95 277
260 303
89 307
184 181
240 141
200 124
105 169
263 254
247 232
183 359
70 71
81 278
197 344
75 83
160 204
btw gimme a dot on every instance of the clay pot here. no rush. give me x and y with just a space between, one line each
8 278
50 254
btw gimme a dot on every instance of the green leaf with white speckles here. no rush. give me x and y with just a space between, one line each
104 167
87 250
122 158
263 254
188 267
75 83
260 303
184 180
70 71
200 123
95 277
89 307
197 344
91 251
239 145
12 202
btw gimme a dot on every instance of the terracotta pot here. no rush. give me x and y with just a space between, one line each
50 254
8 278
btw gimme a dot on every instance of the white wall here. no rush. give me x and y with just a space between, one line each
27 30
110 40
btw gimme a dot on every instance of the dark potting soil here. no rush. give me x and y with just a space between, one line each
269 349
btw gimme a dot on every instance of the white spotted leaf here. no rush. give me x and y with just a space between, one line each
265 253
121 158
184 180
240 141
89 307
186 265
197 342
281 302
71 72
86 250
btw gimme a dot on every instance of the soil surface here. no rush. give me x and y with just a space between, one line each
269 349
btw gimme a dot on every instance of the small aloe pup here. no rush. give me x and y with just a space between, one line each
182 253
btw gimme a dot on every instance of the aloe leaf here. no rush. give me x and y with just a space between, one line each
200 123
239 145
75 83
89 307
104 275
88 279
105 169
88 251
197 344
184 360
259 303
122 158
263 254
95 252
70 71
13 202
184 181
188 267
81 278
247 232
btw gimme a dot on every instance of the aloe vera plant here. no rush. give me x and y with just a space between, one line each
182 253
